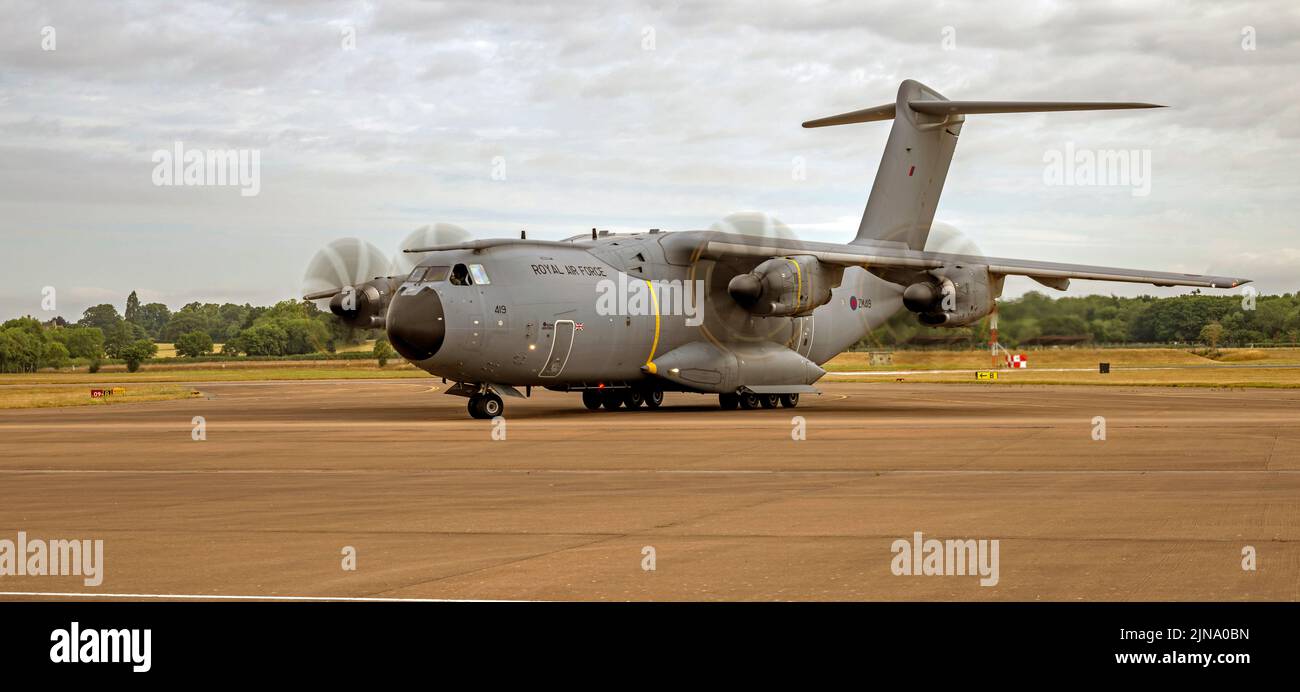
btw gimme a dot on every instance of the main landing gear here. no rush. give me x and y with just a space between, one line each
613 399
485 406
750 400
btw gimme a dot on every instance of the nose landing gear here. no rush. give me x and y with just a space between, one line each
485 406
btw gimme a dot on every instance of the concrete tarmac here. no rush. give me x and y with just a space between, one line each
570 503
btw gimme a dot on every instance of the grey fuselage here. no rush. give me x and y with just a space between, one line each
539 321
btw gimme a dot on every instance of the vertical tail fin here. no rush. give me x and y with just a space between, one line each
916 159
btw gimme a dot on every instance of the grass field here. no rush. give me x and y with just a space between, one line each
79 395
1190 369
1068 358
367 346
226 372
1132 367
1181 377
166 350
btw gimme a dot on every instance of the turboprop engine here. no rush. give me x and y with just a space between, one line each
363 306
785 286
356 279
953 296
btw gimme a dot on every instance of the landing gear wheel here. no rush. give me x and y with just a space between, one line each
654 398
492 406
633 398
750 401
611 399
728 402
789 400
770 400
485 406
591 399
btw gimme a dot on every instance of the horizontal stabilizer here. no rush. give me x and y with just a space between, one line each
941 107
866 115
979 107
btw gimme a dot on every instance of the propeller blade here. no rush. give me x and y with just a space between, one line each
342 263
427 236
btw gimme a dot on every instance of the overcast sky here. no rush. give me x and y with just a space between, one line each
623 116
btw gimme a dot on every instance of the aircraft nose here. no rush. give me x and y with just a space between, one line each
416 324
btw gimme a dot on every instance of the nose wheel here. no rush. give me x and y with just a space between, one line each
485 406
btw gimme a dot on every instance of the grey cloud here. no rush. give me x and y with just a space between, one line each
596 130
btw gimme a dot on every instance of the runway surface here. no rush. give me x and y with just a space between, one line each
563 508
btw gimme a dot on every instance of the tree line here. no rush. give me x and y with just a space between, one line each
294 327
289 327
1195 318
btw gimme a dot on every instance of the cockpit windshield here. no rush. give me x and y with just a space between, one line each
428 274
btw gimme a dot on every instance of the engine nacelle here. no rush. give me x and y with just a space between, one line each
953 296
785 286
362 306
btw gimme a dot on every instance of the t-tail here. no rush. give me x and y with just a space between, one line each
916 159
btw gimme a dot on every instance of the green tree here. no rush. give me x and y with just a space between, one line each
20 350
103 316
152 317
304 336
1064 325
265 339
194 344
132 313
137 352
1211 334
81 342
120 336
383 351
192 317
24 346
55 356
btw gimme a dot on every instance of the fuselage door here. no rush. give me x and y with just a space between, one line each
804 326
561 345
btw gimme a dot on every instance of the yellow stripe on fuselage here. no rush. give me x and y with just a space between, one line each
798 294
654 298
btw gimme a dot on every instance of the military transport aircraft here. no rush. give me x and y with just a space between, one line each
622 318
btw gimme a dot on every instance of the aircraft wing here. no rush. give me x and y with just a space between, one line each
889 256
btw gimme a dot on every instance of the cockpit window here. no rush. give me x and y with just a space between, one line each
460 275
428 274
479 274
